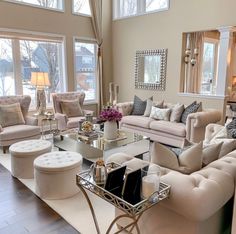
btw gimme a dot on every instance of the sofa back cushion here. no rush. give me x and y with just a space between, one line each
11 115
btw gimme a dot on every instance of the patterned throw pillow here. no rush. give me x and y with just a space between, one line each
71 108
139 106
11 115
160 114
192 108
231 129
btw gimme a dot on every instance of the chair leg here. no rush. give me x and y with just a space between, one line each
4 149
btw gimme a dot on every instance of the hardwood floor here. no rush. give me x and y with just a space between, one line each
21 211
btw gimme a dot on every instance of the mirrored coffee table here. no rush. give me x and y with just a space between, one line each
100 148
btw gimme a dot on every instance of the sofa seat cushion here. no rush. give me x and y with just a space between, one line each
15 132
177 129
136 120
73 122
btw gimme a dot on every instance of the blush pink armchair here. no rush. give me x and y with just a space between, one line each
16 132
65 121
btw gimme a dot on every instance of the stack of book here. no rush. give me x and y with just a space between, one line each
87 135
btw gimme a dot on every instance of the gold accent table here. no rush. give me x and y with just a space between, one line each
134 212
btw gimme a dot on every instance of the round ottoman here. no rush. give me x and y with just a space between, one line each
23 154
55 174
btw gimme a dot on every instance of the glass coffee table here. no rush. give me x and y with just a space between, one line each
100 148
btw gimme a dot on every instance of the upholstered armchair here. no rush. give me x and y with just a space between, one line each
15 123
68 108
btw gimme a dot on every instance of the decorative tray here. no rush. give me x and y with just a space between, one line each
85 180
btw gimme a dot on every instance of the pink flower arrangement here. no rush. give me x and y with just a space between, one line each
110 114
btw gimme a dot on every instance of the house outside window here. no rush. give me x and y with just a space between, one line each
81 7
209 66
47 4
20 57
85 69
128 8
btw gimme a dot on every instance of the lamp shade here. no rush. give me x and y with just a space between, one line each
39 79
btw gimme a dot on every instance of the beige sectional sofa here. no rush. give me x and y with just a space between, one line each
171 133
199 203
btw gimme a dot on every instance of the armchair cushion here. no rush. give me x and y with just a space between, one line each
211 153
11 115
71 108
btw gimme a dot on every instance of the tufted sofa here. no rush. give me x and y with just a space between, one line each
19 132
199 203
202 202
166 132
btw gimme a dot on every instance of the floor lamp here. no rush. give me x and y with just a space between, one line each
40 80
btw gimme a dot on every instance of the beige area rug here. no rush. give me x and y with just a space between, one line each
75 210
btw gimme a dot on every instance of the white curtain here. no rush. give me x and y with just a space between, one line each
96 10
193 68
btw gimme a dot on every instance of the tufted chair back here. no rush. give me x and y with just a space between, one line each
57 97
24 101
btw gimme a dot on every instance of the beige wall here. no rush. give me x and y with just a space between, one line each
164 30
22 17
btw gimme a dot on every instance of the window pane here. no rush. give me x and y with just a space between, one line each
153 5
82 7
38 56
55 4
128 7
208 68
7 84
85 62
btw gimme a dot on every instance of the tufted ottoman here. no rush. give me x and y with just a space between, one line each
55 174
23 154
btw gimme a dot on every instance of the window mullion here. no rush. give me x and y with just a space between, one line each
141 6
17 66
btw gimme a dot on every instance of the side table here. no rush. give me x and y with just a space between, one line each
49 126
133 212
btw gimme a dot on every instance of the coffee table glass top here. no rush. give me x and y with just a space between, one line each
99 147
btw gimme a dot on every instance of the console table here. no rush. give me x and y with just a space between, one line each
85 182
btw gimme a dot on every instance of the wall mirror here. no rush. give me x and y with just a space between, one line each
150 69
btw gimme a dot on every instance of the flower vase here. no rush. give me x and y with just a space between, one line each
110 130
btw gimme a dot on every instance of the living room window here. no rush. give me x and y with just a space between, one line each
128 8
20 56
48 4
85 68
209 66
81 7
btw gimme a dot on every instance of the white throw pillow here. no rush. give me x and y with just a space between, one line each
211 153
188 161
160 114
148 107
176 113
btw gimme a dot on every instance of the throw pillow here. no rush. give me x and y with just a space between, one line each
160 114
139 106
176 113
231 129
148 109
211 153
228 144
188 160
159 104
192 108
71 108
11 115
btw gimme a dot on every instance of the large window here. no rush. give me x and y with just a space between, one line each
81 7
209 65
49 4
20 57
85 68
127 8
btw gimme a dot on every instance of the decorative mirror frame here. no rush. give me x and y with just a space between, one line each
160 85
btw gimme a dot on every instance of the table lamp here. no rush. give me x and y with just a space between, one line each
40 80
